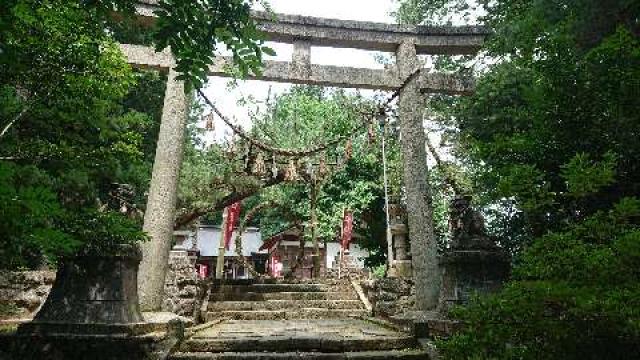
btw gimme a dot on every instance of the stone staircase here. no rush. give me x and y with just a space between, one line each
346 267
274 320
247 300
337 339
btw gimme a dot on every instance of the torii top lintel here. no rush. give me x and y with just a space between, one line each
304 32
460 40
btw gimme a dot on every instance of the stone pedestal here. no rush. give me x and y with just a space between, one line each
92 312
183 290
401 266
465 272
91 290
400 246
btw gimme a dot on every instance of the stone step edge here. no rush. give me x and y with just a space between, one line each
266 288
407 354
213 293
301 344
286 302
303 311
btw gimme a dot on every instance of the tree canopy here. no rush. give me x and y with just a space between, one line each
549 140
78 126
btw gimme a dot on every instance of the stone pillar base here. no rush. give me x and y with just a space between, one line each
465 272
401 269
95 289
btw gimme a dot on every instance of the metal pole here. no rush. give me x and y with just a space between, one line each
221 248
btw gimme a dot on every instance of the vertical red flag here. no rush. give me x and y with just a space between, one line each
347 229
233 213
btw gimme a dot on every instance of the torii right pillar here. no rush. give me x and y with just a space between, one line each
424 251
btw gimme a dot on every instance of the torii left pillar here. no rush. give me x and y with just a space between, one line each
161 203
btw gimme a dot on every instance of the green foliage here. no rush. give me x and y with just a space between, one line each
68 133
308 116
195 30
556 131
29 209
585 177
574 296
416 12
301 118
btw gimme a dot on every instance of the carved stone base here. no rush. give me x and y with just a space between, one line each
466 272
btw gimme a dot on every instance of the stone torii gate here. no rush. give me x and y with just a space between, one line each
407 42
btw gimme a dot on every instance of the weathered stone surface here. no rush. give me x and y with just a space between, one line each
142 341
161 203
360 34
184 293
471 271
94 289
364 355
396 286
419 202
290 314
390 296
253 296
314 74
370 35
285 305
23 292
331 299
297 335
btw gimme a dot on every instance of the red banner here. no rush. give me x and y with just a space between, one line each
233 213
203 271
347 229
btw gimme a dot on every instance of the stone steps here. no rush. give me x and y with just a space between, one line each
283 287
321 339
364 355
284 295
284 305
301 313
300 344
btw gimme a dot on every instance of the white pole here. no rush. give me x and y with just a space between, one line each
221 248
341 248
386 199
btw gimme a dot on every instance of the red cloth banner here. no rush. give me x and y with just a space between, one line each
203 271
347 229
233 214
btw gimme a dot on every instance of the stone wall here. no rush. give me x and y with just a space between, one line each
184 292
23 292
390 296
